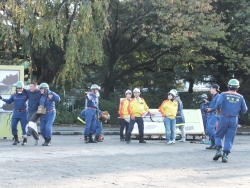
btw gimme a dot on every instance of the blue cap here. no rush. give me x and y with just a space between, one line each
216 86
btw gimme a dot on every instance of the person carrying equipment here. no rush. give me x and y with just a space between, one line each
47 100
103 116
203 108
229 106
19 111
136 109
123 112
211 117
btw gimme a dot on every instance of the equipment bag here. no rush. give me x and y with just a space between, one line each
42 109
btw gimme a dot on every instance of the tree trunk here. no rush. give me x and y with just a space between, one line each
220 79
191 85
108 86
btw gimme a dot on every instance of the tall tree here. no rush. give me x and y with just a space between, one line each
232 54
158 35
59 36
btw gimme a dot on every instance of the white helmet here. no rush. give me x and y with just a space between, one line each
128 91
175 91
172 92
136 90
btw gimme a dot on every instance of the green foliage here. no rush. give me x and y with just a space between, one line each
66 117
155 36
74 30
66 113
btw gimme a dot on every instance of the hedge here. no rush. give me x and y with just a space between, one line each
152 98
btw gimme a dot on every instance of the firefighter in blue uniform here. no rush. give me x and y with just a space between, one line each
203 108
98 125
91 113
211 117
103 117
48 100
229 105
19 111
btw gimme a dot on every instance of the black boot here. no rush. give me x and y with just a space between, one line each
218 153
122 138
212 144
97 139
86 138
24 142
142 141
16 141
224 157
44 140
91 139
128 140
47 142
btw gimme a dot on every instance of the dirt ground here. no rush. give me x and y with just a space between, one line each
69 162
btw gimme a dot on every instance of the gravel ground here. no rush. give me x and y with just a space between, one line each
69 162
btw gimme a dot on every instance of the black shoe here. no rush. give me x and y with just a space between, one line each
128 140
218 153
24 142
86 138
16 141
212 145
91 139
142 142
224 157
47 142
122 140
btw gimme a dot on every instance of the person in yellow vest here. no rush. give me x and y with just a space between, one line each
124 115
169 109
136 110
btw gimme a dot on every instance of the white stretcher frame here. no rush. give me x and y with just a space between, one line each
193 125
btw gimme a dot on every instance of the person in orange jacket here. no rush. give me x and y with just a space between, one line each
136 110
124 115
169 109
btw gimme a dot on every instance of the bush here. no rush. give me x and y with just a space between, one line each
152 98
67 113
66 117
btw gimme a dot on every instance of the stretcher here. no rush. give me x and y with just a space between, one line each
154 126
